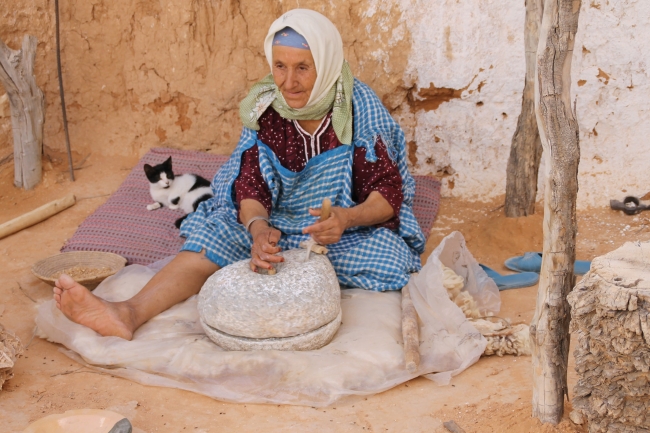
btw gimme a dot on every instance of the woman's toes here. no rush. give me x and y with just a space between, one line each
65 282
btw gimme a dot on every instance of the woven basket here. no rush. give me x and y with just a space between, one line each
46 269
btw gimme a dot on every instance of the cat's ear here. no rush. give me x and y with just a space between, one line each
150 172
168 162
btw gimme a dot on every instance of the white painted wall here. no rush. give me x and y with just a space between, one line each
459 44
614 113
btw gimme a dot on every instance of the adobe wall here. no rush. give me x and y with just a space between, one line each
146 73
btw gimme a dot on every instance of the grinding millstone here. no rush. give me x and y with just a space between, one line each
308 341
301 298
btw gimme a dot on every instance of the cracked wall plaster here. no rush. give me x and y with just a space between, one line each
611 84
146 73
466 70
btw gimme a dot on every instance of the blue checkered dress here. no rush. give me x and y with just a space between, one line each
366 257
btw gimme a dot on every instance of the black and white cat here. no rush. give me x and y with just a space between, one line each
183 192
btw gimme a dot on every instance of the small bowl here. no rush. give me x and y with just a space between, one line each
46 269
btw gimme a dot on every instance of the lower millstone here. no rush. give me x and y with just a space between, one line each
311 340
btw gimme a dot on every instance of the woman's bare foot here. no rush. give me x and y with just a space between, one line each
82 307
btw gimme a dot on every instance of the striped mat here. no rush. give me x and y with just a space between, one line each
124 226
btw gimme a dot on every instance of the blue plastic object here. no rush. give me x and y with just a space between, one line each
532 262
515 281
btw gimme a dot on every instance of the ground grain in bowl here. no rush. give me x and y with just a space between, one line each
83 273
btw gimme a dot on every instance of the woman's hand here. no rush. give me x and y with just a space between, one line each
329 231
265 246
375 210
265 238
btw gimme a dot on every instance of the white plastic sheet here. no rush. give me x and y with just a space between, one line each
365 357
442 322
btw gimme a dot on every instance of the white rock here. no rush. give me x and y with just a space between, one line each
577 417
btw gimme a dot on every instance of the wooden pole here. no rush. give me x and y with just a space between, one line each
61 92
410 332
27 111
526 147
36 216
558 129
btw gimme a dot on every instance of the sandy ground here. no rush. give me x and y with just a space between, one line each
494 395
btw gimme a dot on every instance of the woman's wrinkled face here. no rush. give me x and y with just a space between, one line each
294 72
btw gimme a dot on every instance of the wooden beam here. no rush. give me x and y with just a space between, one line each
558 130
526 147
27 111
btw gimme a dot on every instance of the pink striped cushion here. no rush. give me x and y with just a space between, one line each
124 226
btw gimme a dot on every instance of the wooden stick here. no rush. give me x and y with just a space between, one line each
61 92
410 332
264 271
558 128
36 216
326 208
315 248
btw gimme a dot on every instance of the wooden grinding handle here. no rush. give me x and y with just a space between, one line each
410 332
315 248
325 210
265 271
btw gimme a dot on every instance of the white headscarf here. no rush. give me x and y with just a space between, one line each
324 41
334 84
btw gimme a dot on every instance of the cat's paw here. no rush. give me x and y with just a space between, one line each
173 206
153 206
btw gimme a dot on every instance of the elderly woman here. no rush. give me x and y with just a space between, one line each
311 131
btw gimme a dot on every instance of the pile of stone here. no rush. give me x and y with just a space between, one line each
10 349
610 317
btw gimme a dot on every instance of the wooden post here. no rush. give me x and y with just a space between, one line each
558 129
526 147
27 111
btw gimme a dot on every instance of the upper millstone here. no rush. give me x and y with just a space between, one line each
301 297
